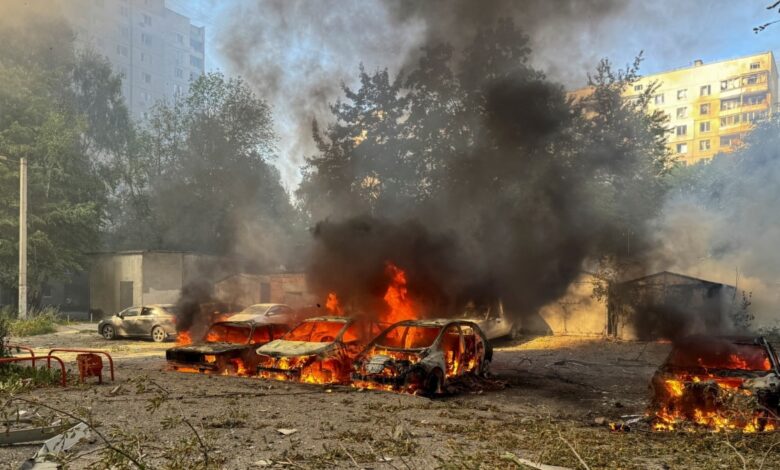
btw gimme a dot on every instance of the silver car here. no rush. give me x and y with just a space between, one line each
155 321
271 313
492 320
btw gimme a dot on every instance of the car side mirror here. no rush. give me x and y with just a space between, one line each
121 315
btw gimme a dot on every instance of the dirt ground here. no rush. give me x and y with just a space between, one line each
556 387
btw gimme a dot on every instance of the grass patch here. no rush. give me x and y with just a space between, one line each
15 377
38 322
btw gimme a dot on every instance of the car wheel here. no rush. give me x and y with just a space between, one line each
433 383
108 332
514 333
158 334
484 368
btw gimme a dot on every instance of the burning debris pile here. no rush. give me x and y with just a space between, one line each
720 384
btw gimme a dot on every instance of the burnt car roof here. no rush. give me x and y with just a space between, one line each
737 339
333 318
432 322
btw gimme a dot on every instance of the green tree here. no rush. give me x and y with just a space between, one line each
204 181
363 165
60 111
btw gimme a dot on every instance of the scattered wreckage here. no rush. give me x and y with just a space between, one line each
228 346
718 383
318 350
423 356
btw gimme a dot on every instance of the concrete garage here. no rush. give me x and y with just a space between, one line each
118 280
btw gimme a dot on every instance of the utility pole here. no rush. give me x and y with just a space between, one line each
22 235
23 238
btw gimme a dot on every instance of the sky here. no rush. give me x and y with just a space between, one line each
295 54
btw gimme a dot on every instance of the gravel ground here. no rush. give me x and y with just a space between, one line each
555 388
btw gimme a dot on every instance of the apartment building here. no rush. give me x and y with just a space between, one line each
711 107
156 50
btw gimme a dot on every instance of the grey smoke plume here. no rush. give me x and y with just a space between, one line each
298 54
725 227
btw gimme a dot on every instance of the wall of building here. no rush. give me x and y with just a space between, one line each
577 312
705 304
162 277
155 49
106 272
248 289
711 107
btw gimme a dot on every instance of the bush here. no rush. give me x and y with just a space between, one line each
38 322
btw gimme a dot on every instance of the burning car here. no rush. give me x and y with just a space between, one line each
423 356
228 347
720 383
318 350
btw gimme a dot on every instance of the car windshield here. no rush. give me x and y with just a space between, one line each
720 355
255 310
228 333
409 337
316 331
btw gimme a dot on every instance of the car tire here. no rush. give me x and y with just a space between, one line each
514 333
433 383
108 332
158 334
484 368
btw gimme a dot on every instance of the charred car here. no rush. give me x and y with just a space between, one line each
423 356
318 350
720 383
228 346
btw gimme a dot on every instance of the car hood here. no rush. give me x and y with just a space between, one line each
210 348
279 348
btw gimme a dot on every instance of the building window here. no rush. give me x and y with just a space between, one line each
147 78
681 130
196 61
731 103
179 39
729 120
682 113
179 73
729 140
177 89
123 71
730 84
751 100
682 94
704 144
125 32
147 20
146 39
659 99
124 11
121 50
753 116
755 65
198 45
682 148
705 90
704 126
636 87
704 108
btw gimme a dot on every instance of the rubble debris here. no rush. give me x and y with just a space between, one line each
19 436
286 432
528 463
56 445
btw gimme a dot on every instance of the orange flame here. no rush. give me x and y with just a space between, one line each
333 305
397 297
183 338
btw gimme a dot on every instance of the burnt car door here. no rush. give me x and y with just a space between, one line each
452 347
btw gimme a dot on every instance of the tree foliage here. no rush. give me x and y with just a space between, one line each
202 179
63 112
